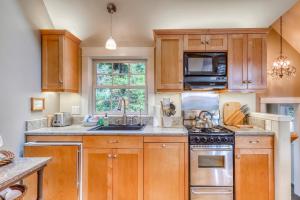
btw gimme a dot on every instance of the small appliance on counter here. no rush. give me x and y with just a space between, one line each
62 119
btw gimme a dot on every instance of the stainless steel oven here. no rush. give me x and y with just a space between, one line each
211 165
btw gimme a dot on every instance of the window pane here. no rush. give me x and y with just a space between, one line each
120 80
104 80
104 68
121 68
136 100
137 80
116 95
103 100
138 68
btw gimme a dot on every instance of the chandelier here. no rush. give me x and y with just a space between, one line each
281 67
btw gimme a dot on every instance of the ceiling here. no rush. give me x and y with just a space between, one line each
135 19
291 26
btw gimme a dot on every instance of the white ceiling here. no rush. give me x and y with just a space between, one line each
135 19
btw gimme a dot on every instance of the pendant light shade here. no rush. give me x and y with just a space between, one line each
111 43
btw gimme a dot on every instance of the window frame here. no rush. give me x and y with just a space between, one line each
95 86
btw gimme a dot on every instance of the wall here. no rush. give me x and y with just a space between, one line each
282 88
20 73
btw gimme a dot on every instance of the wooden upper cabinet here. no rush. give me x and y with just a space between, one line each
237 62
60 61
205 42
247 62
164 171
169 63
257 61
61 176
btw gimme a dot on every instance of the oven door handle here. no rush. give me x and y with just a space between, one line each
211 193
211 149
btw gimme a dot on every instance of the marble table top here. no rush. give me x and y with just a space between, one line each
19 169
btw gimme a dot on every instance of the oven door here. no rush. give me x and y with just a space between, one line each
211 193
211 165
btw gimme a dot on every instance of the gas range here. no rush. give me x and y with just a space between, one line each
217 135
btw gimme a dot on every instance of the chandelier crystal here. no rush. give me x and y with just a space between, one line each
281 67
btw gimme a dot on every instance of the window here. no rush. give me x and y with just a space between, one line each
116 79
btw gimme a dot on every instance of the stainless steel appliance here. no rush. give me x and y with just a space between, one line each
62 119
205 70
211 163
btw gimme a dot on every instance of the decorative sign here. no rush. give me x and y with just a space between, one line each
37 104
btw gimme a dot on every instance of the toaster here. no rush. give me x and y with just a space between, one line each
62 119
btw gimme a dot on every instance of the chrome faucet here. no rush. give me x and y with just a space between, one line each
124 117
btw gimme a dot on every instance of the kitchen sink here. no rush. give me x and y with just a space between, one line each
112 127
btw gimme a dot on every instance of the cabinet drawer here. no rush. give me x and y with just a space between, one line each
117 142
256 142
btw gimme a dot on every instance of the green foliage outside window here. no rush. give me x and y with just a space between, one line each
120 79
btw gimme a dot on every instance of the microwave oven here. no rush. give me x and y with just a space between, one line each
205 70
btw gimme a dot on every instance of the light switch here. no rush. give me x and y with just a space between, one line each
75 110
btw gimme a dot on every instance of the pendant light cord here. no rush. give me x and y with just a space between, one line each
111 25
281 36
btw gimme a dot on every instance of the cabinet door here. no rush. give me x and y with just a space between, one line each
237 62
194 42
216 43
128 174
164 171
168 63
254 174
61 174
97 174
52 63
257 61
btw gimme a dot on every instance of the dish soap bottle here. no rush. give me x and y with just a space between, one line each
105 120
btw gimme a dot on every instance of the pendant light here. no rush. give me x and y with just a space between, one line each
281 67
111 43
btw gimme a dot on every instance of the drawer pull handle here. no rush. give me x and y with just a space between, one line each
254 142
113 141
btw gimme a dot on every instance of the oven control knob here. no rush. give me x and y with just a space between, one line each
226 140
197 139
211 139
204 139
219 140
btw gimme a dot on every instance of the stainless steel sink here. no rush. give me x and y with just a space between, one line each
118 128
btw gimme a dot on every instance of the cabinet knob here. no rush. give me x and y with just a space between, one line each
244 82
207 42
115 156
109 156
249 81
254 142
238 156
164 146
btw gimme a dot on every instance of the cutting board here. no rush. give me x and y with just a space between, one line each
228 109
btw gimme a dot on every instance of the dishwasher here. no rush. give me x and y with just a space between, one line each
63 175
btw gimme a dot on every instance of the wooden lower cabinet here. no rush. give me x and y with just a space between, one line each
113 174
254 174
60 175
164 171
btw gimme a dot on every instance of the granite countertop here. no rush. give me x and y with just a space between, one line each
20 168
255 131
81 130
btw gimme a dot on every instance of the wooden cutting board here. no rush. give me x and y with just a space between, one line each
228 109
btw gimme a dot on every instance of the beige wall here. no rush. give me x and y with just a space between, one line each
282 88
20 74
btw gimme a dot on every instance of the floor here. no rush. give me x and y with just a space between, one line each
294 197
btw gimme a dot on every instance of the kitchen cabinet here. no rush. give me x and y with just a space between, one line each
165 171
61 176
216 42
169 63
113 173
247 66
60 61
254 168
